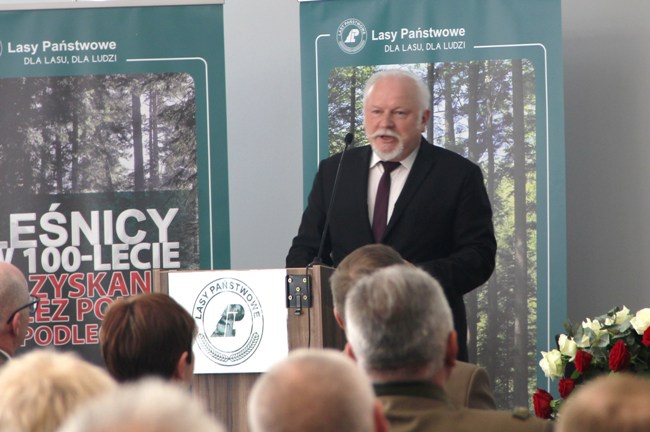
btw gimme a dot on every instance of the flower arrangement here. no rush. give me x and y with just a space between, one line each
614 342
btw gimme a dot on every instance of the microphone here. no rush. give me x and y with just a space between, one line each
349 137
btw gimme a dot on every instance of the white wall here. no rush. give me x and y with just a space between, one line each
607 106
262 48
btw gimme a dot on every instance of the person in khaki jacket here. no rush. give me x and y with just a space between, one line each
400 330
469 384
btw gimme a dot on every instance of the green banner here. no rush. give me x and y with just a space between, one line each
494 68
112 155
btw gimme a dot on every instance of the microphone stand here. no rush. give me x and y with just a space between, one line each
349 137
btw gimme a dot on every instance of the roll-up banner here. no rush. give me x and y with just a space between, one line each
494 68
112 154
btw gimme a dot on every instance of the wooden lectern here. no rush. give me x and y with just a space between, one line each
310 324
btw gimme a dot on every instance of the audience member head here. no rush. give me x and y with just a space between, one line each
396 109
147 405
314 391
617 402
15 307
357 264
148 334
399 326
41 388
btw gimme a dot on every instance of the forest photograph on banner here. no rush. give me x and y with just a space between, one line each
493 69
108 146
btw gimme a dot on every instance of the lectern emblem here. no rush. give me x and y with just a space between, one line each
230 320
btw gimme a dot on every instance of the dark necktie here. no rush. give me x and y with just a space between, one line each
380 216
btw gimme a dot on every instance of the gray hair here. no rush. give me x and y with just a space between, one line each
424 96
148 405
315 391
398 320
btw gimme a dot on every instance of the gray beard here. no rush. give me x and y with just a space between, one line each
387 156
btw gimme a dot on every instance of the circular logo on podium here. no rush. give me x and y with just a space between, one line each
231 321
351 36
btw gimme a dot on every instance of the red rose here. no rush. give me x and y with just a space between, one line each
619 357
566 386
582 361
646 337
542 402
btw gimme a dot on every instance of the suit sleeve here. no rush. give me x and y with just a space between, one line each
306 243
479 393
473 249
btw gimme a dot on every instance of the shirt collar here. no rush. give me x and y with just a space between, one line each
422 389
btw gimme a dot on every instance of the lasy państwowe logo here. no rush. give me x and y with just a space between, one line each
230 320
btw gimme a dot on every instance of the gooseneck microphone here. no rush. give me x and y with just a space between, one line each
349 137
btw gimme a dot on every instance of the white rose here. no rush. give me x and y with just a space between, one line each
568 346
596 327
641 320
551 364
619 317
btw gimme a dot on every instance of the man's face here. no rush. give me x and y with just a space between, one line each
394 121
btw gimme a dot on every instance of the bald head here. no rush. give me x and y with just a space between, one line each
617 402
13 289
313 391
14 294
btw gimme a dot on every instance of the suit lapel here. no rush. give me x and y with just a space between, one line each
353 185
423 164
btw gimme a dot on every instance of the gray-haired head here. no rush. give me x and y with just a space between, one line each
398 320
424 96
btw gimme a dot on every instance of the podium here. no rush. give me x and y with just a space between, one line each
310 324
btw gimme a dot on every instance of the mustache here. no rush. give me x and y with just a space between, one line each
385 132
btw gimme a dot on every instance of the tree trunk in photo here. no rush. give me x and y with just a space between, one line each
492 307
450 114
43 186
471 299
520 238
154 178
138 157
74 152
58 164
353 101
431 80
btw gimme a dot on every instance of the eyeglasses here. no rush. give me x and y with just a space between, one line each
32 305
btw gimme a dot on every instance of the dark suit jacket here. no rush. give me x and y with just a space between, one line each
442 221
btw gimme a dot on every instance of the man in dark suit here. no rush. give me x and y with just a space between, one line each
400 330
438 213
